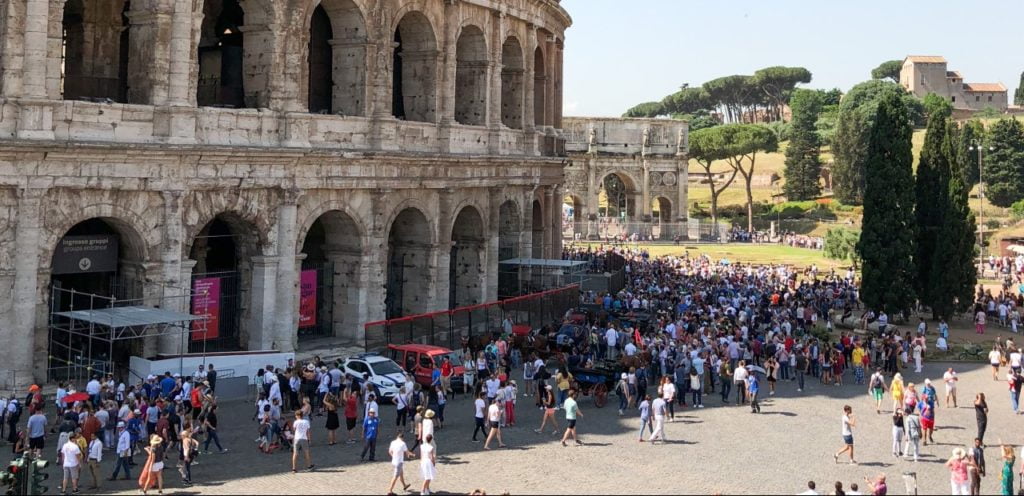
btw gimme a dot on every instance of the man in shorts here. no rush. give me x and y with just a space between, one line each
995 357
302 439
848 424
72 455
572 411
37 431
398 451
950 379
876 388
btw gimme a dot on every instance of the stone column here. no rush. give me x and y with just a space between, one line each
529 115
148 56
492 240
645 189
442 251
287 305
348 292
449 66
549 83
183 56
173 270
682 181
494 84
262 303
20 337
557 197
36 118
558 84
11 45
374 260
593 187
550 221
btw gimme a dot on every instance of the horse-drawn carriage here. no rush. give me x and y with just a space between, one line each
596 380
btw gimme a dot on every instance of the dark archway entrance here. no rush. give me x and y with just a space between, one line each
540 80
466 262
221 50
321 79
408 271
222 252
94 55
510 227
328 284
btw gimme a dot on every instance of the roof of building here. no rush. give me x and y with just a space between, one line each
926 59
954 74
984 87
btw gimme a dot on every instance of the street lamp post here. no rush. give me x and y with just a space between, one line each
976 146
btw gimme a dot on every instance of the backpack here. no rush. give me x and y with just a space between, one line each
528 369
16 416
876 383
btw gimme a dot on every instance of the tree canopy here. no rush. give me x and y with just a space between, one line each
890 69
706 146
931 190
954 275
739 145
777 84
1004 164
1018 96
803 161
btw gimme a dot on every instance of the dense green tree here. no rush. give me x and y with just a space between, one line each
841 244
730 94
886 243
931 188
1004 164
954 274
739 145
1018 96
777 83
647 109
701 119
936 104
803 161
687 101
706 147
889 69
972 132
849 142
830 97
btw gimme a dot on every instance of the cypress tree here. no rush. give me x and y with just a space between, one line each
930 188
886 243
803 164
954 274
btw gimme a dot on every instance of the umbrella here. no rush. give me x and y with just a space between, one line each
73 397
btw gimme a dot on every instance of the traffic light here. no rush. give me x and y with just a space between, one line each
37 476
14 478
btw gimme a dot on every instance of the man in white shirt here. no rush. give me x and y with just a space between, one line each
950 379
994 359
492 388
200 374
93 388
398 451
630 349
810 490
72 456
739 380
302 440
668 392
1015 359
658 407
124 452
478 416
95 457
611 338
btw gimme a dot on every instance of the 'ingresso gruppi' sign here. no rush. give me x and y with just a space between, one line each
85 254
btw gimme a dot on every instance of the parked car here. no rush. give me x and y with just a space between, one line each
417 359
381 371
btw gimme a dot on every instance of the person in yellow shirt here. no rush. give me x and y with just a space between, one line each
857 357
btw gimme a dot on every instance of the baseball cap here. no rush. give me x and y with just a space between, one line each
120 425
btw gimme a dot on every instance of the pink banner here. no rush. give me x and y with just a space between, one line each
307 299
206 302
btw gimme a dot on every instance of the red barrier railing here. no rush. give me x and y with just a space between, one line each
449 327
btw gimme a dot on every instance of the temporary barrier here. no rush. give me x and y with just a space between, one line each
450 328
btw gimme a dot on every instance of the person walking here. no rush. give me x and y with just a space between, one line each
1015 382
478 415
210 426
153 470
370 426
95 458
957 465
622 391
950 379
398 450
995 358
897 433
896 388
331 407
753 387
549 411
572 411
697 399
725 377
876 388
71 454
668 393
645 418
912 422
124 452
189 450
352 415
658 407
428 464
494 422
849 422
981 415
303 439
976 466
1006 474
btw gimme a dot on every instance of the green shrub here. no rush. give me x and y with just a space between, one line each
1017 210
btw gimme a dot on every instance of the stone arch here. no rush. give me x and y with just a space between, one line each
537 231
224 249
337 58
471 67
619 189
410 260
577 205
540 87
332 245
663 207
414 70
95 42
466 264
127 223
221 54
512 72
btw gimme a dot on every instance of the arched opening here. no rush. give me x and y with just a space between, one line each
615 198
540 79
408 272
337 59
94 55
661 211
320 66
512 84
572 217
414 97
329 282
465 277
510 228
96 260
222 251
537 239
221 50
471 77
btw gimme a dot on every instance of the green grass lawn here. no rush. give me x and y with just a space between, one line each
747 253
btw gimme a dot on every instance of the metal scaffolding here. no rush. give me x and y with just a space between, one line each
107 320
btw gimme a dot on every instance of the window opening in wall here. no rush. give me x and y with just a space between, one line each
94 51
320 64
397 97
221 50
953 98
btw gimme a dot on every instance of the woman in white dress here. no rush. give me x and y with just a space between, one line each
428 459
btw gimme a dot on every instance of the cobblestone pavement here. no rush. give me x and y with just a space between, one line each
715 449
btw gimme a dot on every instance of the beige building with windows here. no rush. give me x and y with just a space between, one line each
386 149
924 74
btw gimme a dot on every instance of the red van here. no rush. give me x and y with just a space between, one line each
416 359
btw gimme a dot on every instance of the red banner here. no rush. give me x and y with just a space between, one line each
307 299
206 302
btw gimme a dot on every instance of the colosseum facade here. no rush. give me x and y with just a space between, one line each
387 147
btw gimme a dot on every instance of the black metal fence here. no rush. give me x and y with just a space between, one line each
449 328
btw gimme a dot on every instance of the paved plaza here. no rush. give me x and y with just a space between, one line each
712 450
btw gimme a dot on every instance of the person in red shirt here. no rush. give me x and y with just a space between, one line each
446 375
351 405
91 426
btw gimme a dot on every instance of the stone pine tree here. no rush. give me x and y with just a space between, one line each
886 244
954 274
803 162
930 189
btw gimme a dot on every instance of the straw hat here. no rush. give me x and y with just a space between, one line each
155 440
959 453
430 414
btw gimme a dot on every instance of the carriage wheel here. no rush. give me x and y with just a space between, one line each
600 395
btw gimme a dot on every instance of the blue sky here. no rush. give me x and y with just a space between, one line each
623 52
